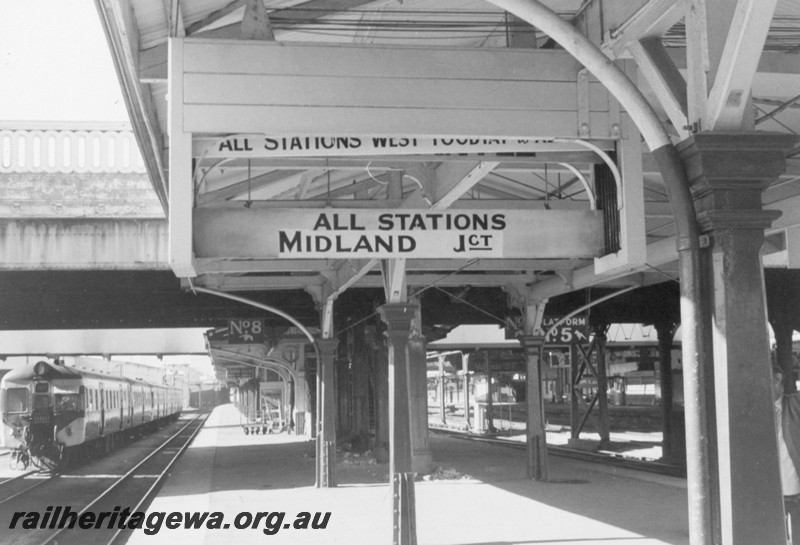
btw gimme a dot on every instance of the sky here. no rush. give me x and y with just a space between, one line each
56 64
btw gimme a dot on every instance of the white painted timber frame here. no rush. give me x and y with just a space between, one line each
234 86
227 87
633 242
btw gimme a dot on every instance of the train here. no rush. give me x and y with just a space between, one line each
54 415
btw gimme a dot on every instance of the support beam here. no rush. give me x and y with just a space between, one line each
255 22
664 78
242 188
451 185
734 78
181 189
174 15
394 279
652 20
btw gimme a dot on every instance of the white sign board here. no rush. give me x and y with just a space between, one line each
574 330
396 233
304 145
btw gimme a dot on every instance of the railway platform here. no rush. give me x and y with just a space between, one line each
477 495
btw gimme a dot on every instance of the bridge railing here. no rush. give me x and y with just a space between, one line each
62 150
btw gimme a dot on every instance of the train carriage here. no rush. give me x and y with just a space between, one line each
54 413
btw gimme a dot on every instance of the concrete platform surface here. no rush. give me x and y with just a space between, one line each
478 495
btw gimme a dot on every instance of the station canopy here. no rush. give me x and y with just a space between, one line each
447 133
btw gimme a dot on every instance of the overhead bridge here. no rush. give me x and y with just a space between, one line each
77 198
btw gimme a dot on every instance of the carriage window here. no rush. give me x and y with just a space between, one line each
16 400
41 402
66 402
81 398
40 387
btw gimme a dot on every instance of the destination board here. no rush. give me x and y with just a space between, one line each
397 233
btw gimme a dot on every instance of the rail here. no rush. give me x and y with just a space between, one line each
19 478
199 419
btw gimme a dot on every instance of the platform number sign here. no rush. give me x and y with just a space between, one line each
246 331
574 330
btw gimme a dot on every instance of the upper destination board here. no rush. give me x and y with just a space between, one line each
253 146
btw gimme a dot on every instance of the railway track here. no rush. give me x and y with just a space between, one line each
601 458
14 487
94 489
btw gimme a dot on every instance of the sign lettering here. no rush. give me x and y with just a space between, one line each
574 330
246 331
241 373
400 233
257 145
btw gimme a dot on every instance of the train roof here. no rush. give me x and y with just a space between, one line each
52 371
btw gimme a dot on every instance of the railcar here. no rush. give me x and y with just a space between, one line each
53 414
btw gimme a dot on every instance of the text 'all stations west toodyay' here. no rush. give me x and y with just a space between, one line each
308 146
402 234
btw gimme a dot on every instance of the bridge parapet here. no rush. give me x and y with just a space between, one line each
77 196
74 170
41 148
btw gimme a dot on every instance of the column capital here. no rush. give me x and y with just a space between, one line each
531 344
727 173
398 317
327 347
734 161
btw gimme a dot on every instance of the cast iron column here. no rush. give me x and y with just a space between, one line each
783 354
535 428
326 437
465 385
421 457
603 426
574 406
398 317
727 173
442 390
381 352
665 333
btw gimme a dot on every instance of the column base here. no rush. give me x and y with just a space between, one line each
381 453
422 462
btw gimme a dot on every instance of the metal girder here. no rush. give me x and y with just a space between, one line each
449 188
331 269
255 22
664 78
737 66
241 188
395 287
174 14
651 20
